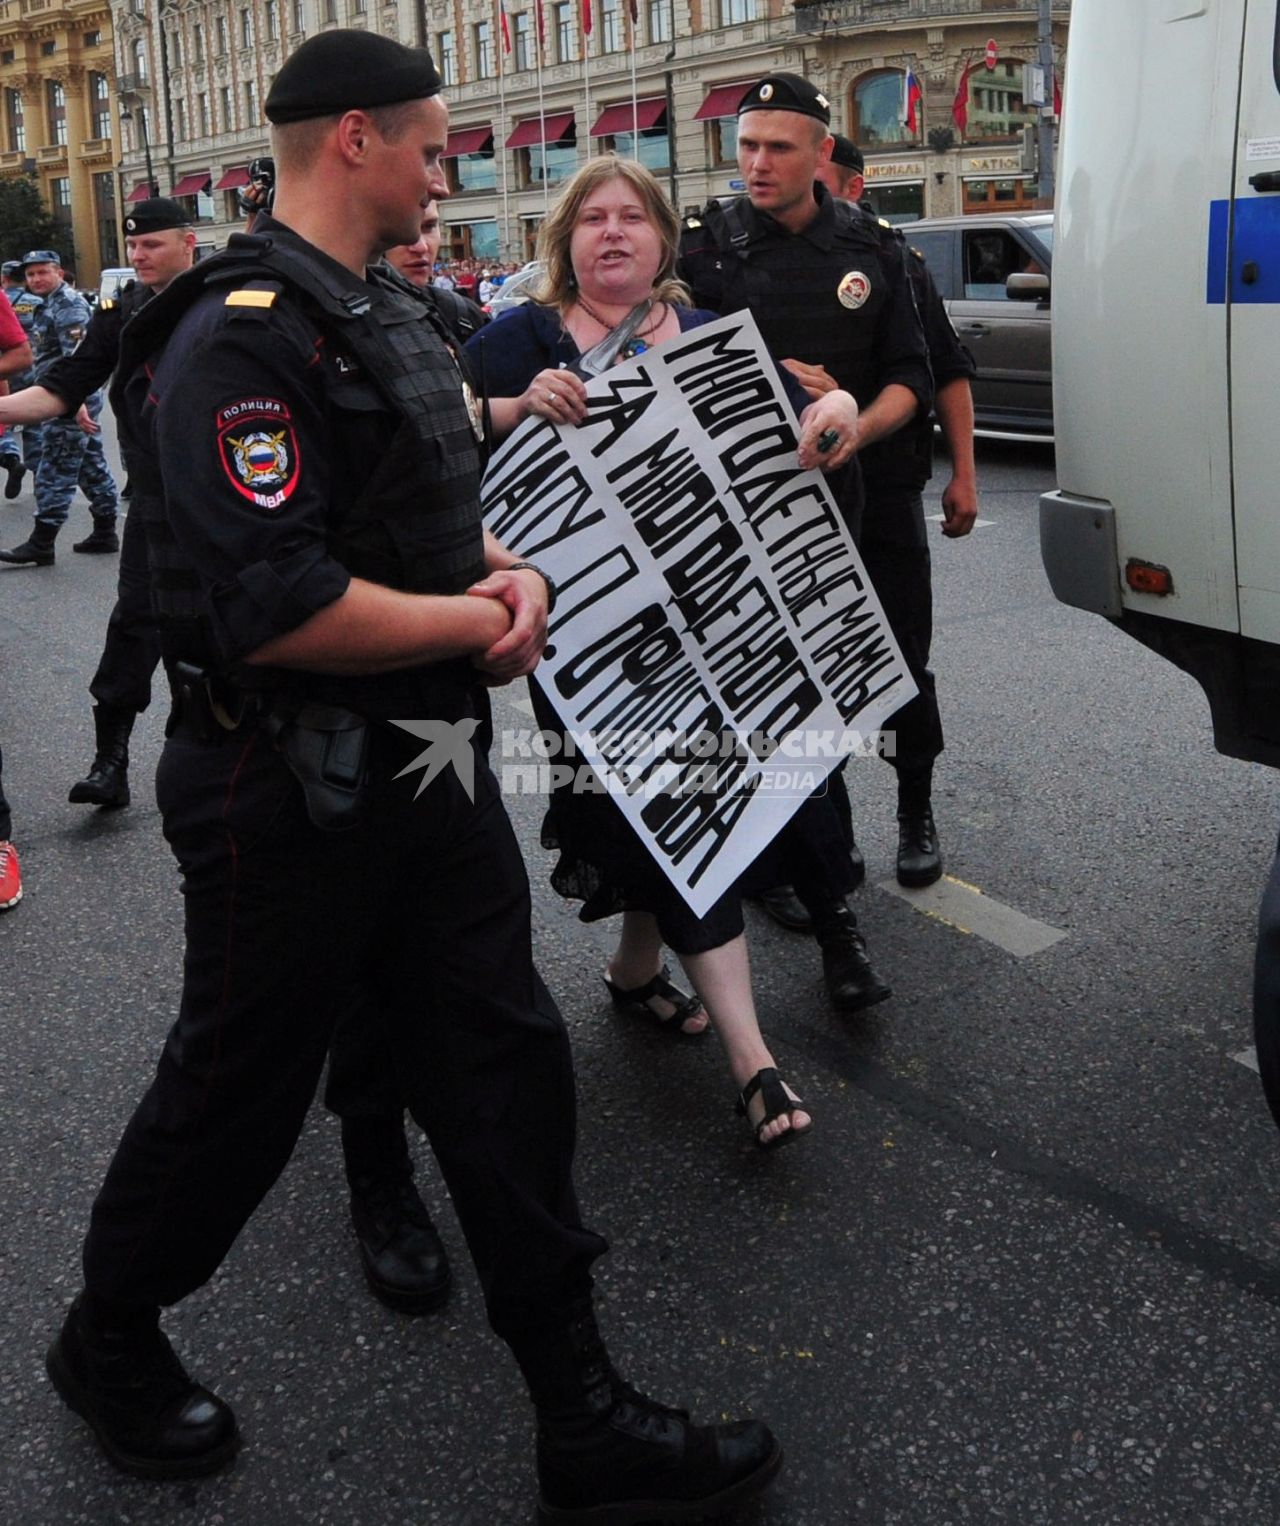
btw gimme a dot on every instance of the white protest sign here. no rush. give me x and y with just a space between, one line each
717 646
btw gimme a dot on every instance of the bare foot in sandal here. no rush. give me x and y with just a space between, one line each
673 1010
774 1113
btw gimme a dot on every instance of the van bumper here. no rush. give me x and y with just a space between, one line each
1078 549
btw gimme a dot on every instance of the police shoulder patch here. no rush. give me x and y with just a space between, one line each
259 450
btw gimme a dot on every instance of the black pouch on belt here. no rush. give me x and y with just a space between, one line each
327 749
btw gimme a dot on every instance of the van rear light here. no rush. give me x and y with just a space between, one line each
1148 577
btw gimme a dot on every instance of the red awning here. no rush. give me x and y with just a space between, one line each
722 101
142 192
468 140
535 130
234 179
190 184
615 119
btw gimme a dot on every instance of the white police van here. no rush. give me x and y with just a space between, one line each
1166 335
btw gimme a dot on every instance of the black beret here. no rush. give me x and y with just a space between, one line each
349 70
847 154
787 92
155 215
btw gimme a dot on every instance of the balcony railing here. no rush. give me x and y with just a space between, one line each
133 84
52 153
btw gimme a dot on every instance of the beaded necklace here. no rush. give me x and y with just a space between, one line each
635 345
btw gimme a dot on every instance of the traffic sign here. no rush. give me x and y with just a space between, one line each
737 185
993 52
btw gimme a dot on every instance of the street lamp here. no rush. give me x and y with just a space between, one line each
141 118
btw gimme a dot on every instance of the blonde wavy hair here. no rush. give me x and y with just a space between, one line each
558 286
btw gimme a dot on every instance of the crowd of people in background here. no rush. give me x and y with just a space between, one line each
480 280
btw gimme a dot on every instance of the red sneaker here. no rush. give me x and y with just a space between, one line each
10 876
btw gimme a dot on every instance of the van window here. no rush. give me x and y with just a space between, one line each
936 248
991 256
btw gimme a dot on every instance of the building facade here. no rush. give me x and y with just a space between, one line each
933 90
57 121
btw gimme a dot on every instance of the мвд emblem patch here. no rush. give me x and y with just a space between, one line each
259 450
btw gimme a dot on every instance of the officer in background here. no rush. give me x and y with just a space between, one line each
14 461
319 462
68 457
895 544
160 245
415 264
832 300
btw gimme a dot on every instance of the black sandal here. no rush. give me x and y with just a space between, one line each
637 1003
777 1101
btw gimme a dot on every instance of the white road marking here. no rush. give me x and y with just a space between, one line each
966 908
978 524
1249 1059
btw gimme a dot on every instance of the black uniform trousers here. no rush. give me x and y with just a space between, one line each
423 910
895 549
1266 989
131 651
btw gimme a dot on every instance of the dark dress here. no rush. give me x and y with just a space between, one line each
602 862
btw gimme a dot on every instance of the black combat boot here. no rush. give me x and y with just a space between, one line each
149 1417
15 471
404 1259
785 907
847 971
919 856
101 539
610 1456
107 783
37 549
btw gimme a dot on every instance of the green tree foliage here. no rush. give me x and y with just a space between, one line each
26 224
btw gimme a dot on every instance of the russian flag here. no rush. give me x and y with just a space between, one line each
912 95
504 26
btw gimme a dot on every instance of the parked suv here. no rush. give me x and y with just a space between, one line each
993 272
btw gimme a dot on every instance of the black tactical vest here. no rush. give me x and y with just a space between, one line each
416 525
792 287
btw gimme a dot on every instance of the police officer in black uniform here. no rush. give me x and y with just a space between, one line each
832 300
320 477
121 687
895 545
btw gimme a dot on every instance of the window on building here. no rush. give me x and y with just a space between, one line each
902 203
473 172
299 15
724 140
104 214
60 200
611 40
48 49
662 26
140 66
271 19
246 28
224 109
484 50
652 147
996 108
1016 195
564 21
202 103
197 41
99 106
220 35
359 7
447 57
522 40
252 115
180 118
7 55
174 45
879 105
15 124
91 40
330 10
560 162
479 239
738 12
56 112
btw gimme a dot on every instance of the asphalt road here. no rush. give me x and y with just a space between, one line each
1026 1270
